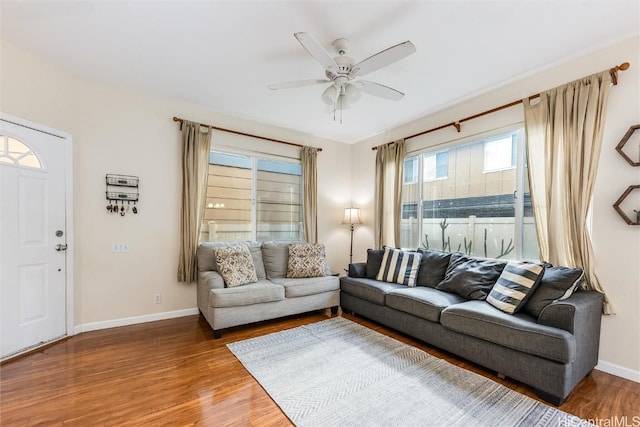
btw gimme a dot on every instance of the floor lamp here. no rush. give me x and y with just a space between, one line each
351 218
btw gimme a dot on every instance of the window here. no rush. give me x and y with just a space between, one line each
469 209
410 170
251 198
15 152
436 165
500 153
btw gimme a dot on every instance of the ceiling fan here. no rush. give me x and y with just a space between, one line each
341 72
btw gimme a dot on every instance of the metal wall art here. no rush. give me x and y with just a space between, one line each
122 193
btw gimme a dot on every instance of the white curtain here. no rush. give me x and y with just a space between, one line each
564 138
196 144
308 160
388 194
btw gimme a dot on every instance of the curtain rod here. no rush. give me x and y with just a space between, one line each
614 78
179 120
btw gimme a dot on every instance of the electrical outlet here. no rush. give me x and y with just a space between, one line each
120 247
157 298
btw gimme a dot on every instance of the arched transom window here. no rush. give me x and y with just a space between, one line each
16 152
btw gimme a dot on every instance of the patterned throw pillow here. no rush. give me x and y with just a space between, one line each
235 265
399 266
306 260
515 285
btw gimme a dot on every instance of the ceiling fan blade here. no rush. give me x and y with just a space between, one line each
377 89
383 58
316 50
299 83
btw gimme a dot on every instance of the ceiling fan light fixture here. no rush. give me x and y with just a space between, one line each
352 92
329 95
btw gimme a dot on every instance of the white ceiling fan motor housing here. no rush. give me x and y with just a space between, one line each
344 62
342 45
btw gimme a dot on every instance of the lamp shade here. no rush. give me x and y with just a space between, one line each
351 216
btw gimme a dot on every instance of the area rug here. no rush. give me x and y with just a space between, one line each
339 373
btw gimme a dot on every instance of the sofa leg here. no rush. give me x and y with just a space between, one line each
554 400
334 309
217 334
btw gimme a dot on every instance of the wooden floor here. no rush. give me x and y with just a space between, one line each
173 372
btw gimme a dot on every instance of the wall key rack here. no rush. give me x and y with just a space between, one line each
121 189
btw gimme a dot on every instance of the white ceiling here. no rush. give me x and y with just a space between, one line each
222 54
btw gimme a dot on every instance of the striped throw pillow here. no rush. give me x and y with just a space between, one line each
399 267
515 285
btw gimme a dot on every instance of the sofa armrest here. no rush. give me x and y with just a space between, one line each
581 311
210 280
358 269
207 280
581 315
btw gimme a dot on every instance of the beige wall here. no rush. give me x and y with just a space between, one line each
119 131
616 245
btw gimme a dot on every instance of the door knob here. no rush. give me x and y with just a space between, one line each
61 247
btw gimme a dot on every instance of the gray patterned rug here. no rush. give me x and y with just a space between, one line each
339 373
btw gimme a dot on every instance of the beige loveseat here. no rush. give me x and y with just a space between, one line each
273 295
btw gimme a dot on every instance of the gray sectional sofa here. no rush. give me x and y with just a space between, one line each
273 295
551 350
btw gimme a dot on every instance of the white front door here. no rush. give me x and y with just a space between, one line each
33 237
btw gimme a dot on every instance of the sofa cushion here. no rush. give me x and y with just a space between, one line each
433 267
374 259
518 331
515 285
399 266
253 293
471 278
308 286
557 283
368 289
275 255
207 259
423 302
235 265
306 260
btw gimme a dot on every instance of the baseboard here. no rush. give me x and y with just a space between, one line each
618 371
94 326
